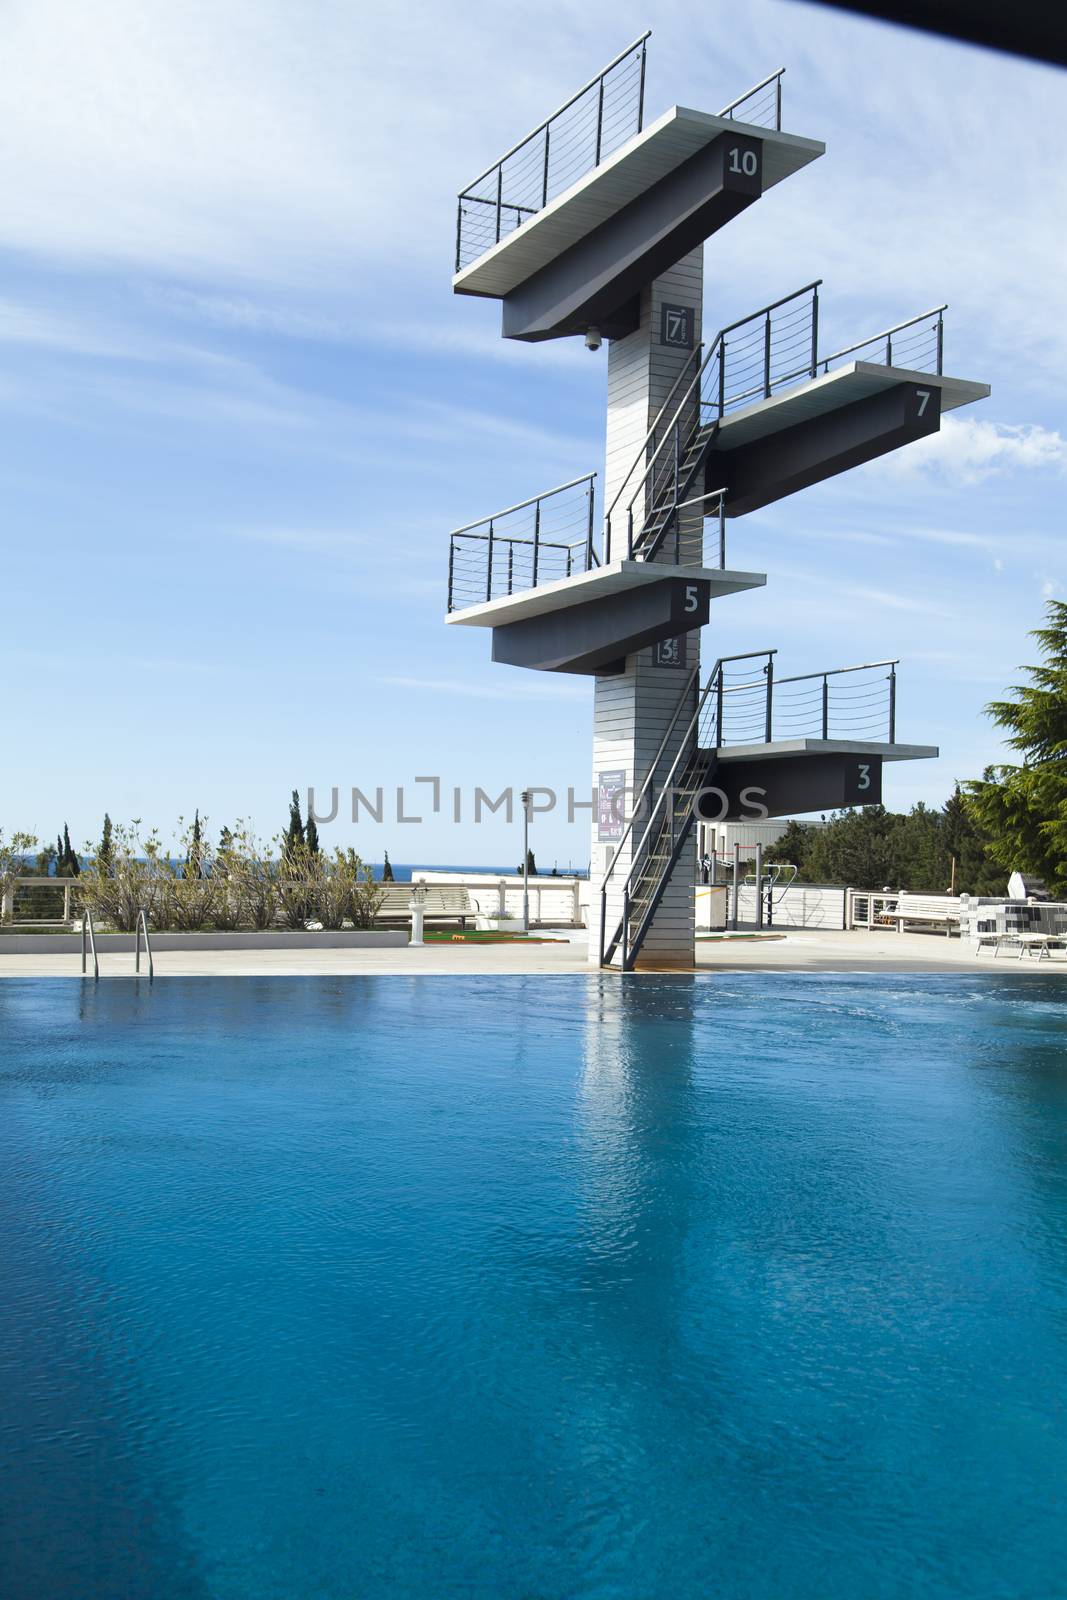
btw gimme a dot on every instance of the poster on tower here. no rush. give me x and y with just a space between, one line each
611 806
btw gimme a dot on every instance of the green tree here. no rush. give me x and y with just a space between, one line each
105 850
67 863
387 869
1022 810
293 840
854 848
795 846
531 865
311 834
194 859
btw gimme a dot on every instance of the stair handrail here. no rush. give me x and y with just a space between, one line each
142 925
87 926
697 384
640 454
667 786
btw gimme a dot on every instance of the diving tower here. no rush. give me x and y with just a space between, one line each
595 226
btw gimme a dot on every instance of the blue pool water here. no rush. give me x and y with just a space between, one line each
534 1289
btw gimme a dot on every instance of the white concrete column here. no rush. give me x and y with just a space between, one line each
633 709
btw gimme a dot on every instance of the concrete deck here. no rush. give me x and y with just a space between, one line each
797 951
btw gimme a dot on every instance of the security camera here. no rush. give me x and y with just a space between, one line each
592 338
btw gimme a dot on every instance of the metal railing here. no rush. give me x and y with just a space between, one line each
761 105
575 139
88 931
748 360
762 709
142 927
923 341
540 540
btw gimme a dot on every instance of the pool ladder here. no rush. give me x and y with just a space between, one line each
89 944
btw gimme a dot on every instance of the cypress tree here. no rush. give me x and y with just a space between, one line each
293 839
105 850
387 869
311 835
194 860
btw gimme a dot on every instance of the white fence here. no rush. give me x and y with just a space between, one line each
560 902
802 905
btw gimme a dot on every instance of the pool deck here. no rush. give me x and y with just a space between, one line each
808 950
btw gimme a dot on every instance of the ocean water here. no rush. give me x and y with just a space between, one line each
534 1289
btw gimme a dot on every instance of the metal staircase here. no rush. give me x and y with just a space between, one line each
744 706
670 821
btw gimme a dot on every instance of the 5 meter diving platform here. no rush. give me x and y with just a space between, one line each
534 575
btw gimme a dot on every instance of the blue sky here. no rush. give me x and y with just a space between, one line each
241 408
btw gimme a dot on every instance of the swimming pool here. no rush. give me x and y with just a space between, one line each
548 1288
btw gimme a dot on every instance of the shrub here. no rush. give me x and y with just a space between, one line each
133 875
13 854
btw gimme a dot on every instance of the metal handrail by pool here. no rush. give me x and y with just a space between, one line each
87 928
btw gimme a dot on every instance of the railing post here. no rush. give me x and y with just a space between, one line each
489 565
630 533
641 92
769 670
625 928
767 358
499 197
892 705
825 706
722 533
778 103
589 533
600 122
889 349
137 945
815 330
718 707
536 541
511 565
66 902
544 181
603 922
940 341
722 381
736 885
459 232
85 926
451 568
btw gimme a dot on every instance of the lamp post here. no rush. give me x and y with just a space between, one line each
525 860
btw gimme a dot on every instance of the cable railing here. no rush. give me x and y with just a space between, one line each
747 361
540 540
760 106
576 138
758 708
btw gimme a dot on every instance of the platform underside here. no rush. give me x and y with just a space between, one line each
821 747
834 391
789 777
616 577
634 169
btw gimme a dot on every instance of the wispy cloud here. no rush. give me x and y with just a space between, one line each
968 450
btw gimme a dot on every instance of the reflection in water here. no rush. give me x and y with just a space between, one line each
751 1286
